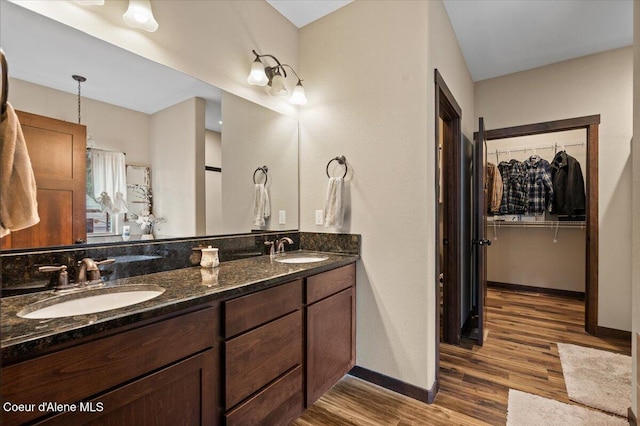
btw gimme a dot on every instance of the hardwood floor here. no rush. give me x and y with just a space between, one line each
519 353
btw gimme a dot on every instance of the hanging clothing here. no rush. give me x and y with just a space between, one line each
566 175
538 185
495 188
514 194
18 202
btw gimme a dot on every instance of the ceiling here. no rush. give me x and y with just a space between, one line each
303 12
53 53
500 37
497 37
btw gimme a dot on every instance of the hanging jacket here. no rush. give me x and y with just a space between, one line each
514 196
494 189
538 185
568 184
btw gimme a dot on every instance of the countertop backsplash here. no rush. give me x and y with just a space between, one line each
19 269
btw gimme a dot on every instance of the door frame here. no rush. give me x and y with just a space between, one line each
448 109
590 124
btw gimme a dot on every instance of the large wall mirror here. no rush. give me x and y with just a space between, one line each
200 145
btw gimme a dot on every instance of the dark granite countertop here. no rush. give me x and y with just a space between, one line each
185 288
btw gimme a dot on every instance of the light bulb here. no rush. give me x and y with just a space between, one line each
257 76
277 86
139 15
298 97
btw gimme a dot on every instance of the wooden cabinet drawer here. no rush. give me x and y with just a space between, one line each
256 358
73 374
279 404
181 394
252 310
328 283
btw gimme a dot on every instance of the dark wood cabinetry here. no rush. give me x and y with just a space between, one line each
263 363
180 394
258 359
330 330
122 365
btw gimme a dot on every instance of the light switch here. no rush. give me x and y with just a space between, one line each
319 217
282 217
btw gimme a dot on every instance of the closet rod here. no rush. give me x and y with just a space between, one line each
549 146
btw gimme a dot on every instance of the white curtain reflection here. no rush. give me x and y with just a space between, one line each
107 179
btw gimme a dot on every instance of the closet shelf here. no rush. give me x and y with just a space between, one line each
538 224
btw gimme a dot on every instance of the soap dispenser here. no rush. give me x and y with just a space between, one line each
209 258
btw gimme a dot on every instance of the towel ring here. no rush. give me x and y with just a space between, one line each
341 160
264 170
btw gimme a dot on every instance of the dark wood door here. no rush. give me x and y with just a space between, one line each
480 228
330 342
57 150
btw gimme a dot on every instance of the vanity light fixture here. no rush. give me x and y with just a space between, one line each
139 15
273 76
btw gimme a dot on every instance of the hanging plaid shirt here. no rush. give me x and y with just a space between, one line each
538 185
514 195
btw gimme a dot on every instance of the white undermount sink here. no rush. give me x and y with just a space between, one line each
301 259
91 301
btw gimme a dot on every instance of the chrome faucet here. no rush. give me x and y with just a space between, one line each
88 270
280 244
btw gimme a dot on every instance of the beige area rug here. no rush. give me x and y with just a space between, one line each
525 409
597 378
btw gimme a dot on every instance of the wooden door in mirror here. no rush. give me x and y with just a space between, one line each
57 150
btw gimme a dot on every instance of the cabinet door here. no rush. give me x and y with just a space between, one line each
330 342
181 394
76 373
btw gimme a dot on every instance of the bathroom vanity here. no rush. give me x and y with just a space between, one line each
257 345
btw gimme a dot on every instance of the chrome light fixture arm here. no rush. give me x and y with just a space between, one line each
270 71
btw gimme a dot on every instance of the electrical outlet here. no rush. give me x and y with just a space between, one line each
282 217
319 217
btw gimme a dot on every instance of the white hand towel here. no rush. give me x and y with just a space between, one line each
262 205
18 202
334 205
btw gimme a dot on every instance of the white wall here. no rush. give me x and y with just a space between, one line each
270 140
112 127
213 182
370 73
636 207
177 168
597 84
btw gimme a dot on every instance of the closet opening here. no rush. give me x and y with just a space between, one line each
534 248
